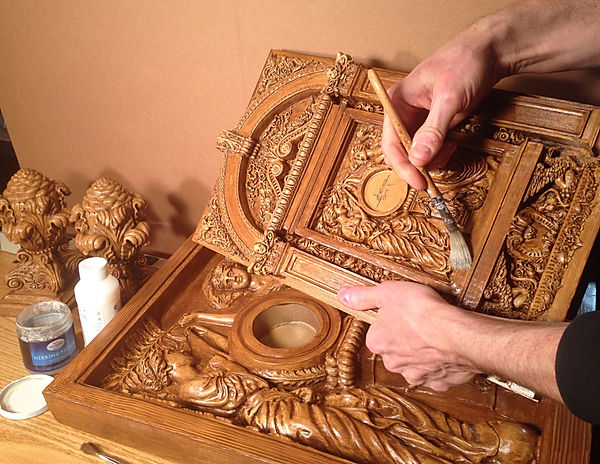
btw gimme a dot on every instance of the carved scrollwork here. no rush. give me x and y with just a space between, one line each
33 214
502 134
543 236
187 366
109 222
232 142
280 67
212 230
410 238
273 160
278 71
356 265
339 78
369 107
368 207
512 136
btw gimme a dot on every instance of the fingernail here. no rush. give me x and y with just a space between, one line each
343 295
420 152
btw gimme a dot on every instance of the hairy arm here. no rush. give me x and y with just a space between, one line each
435 344
532 36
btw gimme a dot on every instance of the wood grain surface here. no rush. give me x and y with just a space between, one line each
42 439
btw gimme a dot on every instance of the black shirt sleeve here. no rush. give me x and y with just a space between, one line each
578 367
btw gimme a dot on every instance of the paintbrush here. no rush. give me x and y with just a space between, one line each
460 255
90 448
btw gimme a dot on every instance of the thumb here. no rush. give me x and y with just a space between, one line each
359 297
428 140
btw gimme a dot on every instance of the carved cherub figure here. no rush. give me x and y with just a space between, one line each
228 281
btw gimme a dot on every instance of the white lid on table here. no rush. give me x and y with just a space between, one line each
23 398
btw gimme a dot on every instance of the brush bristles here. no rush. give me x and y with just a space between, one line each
460 255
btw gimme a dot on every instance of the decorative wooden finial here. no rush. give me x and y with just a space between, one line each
34 216
110 223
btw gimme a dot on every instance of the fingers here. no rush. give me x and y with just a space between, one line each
360 297
428 140
396 157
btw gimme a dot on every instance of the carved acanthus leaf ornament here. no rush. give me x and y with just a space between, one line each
110 223
273 160
368 207
33 214
339 78
187 365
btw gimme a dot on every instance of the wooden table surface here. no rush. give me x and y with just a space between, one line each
41 439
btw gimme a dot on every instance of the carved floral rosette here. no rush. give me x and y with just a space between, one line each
33 214
109 222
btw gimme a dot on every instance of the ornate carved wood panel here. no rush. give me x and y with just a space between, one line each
241 355
303 177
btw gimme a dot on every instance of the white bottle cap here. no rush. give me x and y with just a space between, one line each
23 398
94 269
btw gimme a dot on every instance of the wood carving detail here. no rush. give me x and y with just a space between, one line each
368 207
369 107
502 134
228 281
189 366
543 236
231 142
109 222
278 71
339 78
339 258
272 162
33 214
212 230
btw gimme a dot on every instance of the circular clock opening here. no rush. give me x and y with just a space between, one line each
286 325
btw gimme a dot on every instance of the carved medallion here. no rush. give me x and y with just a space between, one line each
382 192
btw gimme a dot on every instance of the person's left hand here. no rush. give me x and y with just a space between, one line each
413 332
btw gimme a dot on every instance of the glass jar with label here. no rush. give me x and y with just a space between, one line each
46 337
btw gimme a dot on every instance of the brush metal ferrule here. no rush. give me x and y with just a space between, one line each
440 205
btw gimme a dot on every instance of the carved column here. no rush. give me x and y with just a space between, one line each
109 223
34 216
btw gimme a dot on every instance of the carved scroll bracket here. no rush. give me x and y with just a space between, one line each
232 142
341 76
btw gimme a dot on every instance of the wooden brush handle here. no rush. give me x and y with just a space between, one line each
403 134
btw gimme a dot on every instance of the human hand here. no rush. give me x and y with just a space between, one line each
411 332
438 94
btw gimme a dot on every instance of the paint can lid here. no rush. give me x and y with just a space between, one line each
23 398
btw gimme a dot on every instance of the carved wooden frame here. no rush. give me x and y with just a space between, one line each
518 127
520 130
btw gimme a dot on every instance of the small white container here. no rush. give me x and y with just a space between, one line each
98 296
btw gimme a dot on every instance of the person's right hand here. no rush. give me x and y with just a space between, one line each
438 94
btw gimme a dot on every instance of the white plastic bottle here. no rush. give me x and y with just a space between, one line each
98 296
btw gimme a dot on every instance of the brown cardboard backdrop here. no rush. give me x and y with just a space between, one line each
139 90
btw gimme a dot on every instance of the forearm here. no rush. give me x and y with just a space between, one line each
522 351
543 35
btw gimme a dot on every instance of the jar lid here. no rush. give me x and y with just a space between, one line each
22 398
